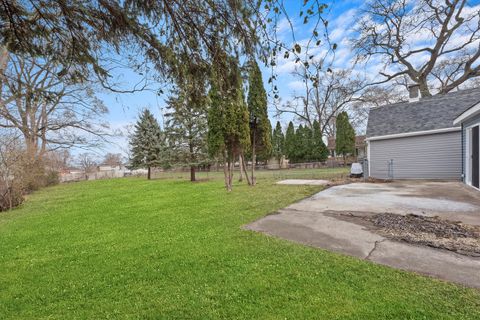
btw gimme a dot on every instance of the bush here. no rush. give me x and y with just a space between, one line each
10 197
21 173
52 178
35 176
32 174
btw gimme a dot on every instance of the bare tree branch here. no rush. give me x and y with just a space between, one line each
396 31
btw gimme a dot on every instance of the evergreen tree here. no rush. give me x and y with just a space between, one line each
147 144
302 136
290 142
186 125
228 121
319 149
265 154
186 129
260 127
309 144
278 142
345 136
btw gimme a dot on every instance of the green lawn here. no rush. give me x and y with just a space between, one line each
163 249
265 174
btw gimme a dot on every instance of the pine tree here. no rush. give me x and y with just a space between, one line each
319 149
278 142
186 129
147 144
301 143
186 125
228 121
260 127
290 142
345 136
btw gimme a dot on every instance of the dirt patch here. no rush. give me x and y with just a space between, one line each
428 231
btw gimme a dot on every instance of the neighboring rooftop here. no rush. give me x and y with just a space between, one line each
437 112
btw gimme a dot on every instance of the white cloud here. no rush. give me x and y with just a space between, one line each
285 66
296 85
341 27
285 25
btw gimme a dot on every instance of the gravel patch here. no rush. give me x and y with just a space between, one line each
428 231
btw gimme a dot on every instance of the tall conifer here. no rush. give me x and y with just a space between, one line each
147 143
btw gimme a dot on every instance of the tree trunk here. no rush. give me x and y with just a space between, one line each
31 148
192 157
4 56
192 173
240 162
423 88
226 173
230 175
254 160
244 165
149 173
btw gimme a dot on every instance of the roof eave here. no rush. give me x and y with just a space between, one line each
467 114
412 134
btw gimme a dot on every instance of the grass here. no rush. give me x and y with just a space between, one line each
264 174
171 249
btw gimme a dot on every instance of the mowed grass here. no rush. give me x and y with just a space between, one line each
170 249
327 173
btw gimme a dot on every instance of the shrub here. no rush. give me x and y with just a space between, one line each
20 173
10 197
52 178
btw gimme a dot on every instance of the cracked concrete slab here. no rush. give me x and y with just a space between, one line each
449 200
442 264
319 221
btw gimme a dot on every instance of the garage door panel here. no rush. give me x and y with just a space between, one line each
436 156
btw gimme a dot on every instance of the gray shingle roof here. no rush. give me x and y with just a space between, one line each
431 113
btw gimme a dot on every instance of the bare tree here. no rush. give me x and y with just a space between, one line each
50 110
58 160
112 159
12 185
87 162
325 95
373 96
435 43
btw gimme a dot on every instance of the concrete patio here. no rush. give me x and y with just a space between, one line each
323 221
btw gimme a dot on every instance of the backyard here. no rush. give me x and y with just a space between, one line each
169 248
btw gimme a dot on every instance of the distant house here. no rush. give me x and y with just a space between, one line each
71 174
360 147
422 139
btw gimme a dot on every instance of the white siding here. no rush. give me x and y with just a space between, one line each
434 156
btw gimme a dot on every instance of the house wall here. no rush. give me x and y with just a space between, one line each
469 123
432 156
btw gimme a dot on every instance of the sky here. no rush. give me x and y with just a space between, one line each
125 107
341 15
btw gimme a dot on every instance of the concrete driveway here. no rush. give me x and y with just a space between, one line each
322 221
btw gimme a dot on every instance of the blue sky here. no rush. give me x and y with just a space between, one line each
124 107
341 15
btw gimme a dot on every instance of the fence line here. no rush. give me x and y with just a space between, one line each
275 169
